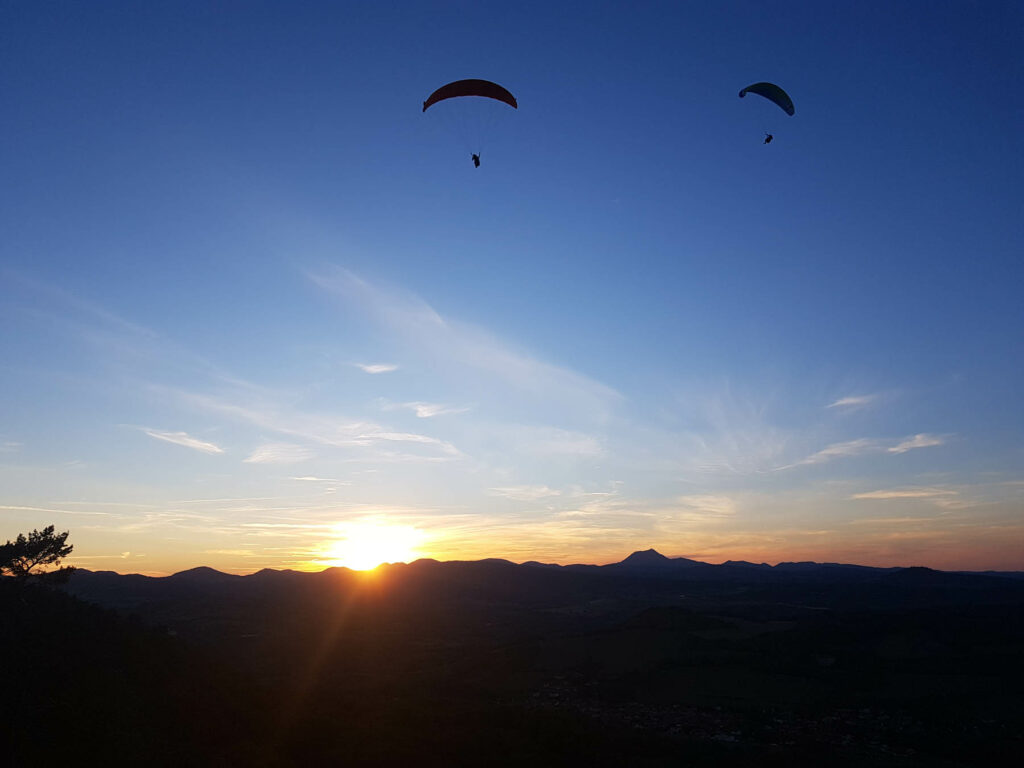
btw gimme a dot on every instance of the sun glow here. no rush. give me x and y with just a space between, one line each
364 544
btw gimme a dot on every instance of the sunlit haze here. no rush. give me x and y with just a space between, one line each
365 544
260 310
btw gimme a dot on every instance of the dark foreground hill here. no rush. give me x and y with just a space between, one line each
652 661
83 686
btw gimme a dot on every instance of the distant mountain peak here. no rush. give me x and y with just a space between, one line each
646 557
202 572
652 561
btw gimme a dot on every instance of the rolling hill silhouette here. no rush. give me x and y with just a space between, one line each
650 660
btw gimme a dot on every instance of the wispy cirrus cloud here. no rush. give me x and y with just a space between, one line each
886 521
235 552
48 510
917 441
410 437
114 338
853 401
457 344
185 440
840 450
722 429
227 395
709 504
267 413
376 367
905 493
524 492
279 453
864 446
947 498
426 410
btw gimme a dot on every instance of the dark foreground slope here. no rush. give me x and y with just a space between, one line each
83 686
649 662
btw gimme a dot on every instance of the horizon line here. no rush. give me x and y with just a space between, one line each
537 563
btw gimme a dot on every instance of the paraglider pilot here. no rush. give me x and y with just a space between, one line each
768 138
476 160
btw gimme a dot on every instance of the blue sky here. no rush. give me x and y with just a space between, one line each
251 295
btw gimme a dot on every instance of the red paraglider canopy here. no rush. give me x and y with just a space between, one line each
484 88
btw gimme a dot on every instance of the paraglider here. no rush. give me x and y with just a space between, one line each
775 95
470 122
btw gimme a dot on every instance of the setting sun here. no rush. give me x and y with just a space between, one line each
365 544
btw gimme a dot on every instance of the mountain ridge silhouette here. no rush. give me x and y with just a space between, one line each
640 560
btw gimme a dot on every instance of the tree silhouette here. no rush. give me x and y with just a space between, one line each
29 557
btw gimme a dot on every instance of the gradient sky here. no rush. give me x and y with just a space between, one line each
252 299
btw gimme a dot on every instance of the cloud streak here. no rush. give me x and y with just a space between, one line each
709 505
865 446
454 344
917 441
947 498
853 401
906 493
185 440
524 492
279 453
426 410
376 367
315 428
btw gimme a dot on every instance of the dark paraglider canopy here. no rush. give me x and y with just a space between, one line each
773 93
484 88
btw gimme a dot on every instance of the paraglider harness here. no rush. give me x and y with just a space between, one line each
476 160
768 138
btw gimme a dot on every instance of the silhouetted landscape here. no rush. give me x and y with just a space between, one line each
648 661
310 287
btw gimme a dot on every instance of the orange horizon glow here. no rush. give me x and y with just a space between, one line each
363 545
